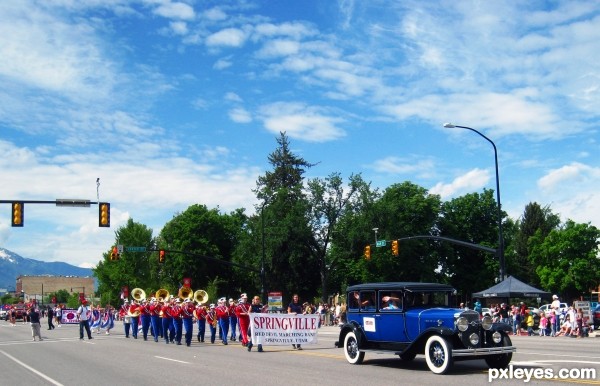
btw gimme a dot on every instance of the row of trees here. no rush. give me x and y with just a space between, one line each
310 235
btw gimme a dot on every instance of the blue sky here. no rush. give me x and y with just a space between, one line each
172 103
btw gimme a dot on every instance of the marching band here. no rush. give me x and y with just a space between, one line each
167 317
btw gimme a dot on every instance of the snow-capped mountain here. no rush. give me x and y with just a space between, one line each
13 265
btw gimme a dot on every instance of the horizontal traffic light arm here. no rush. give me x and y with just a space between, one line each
453 241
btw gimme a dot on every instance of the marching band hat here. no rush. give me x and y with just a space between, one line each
212 305
554 297
153 299
125 301
222 300
187 300
244 296
177 300
230 300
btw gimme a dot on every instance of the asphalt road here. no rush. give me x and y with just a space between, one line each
62 359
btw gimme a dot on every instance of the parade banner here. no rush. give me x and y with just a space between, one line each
69 316
283 329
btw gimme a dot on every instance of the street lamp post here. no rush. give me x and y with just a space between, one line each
262 260
375 230
500 236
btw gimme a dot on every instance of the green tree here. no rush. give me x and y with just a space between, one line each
535 218
327 203
200 243
471 218
567 258
291 266
133 269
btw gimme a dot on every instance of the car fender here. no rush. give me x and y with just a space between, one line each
418 345
346 328
501 327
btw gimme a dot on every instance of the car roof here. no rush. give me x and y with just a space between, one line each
409 286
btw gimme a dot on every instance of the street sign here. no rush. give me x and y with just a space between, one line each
135 249
380 243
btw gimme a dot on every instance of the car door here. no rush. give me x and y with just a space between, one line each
390 320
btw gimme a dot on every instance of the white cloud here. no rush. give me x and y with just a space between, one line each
175 11
574 173
471 181
240 115
230 37
418 165
299 121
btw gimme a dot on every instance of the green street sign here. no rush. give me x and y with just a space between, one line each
135 249
380 243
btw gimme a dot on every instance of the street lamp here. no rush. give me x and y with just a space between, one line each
262 260
375 230
500 236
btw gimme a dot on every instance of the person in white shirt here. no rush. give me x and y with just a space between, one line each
82 313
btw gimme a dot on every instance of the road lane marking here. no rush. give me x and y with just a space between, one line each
31 369
172 360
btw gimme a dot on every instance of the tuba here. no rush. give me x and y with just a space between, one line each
161 295
185 293
200 297
138 294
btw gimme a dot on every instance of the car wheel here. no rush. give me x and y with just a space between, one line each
500 361
408 356
351 351
438 354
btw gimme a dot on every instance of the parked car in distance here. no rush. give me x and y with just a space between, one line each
546 308
596 316
409 319
485 311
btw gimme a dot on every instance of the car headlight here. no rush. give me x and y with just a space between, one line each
486 323
474 339
462 324
497 337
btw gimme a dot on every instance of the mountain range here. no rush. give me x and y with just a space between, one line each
12 265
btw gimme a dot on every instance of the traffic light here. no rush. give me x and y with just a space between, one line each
104 215
395 250
161 256
17 214
114 254
368 252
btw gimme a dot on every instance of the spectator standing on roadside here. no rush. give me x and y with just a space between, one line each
543 324
58 314
34 319
517 318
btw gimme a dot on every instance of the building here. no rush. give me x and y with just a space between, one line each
36 287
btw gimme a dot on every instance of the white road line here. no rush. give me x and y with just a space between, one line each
556 355
172 360
52 381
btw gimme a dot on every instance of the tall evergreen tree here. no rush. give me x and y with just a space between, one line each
290 264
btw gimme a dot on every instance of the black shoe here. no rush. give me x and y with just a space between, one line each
178 343
294 346
202 341
249 346
260 348
199 338
90 337
188 344
299 348
232 339
145 338
166 341
80 338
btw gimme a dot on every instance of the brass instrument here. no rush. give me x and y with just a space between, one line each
200 297
138 294
162 295
185 293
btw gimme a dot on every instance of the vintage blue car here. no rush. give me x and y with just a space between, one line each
407 319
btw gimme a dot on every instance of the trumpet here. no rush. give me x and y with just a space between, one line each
200 297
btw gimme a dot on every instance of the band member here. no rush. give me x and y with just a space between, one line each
176 312
242 311
95 319
223 317
107 322
233 320
167 321
124 315
212 320
155 309
135 321
256 308
145 317
187 318
200 315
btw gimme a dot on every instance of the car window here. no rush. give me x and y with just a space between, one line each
367 300
390 301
